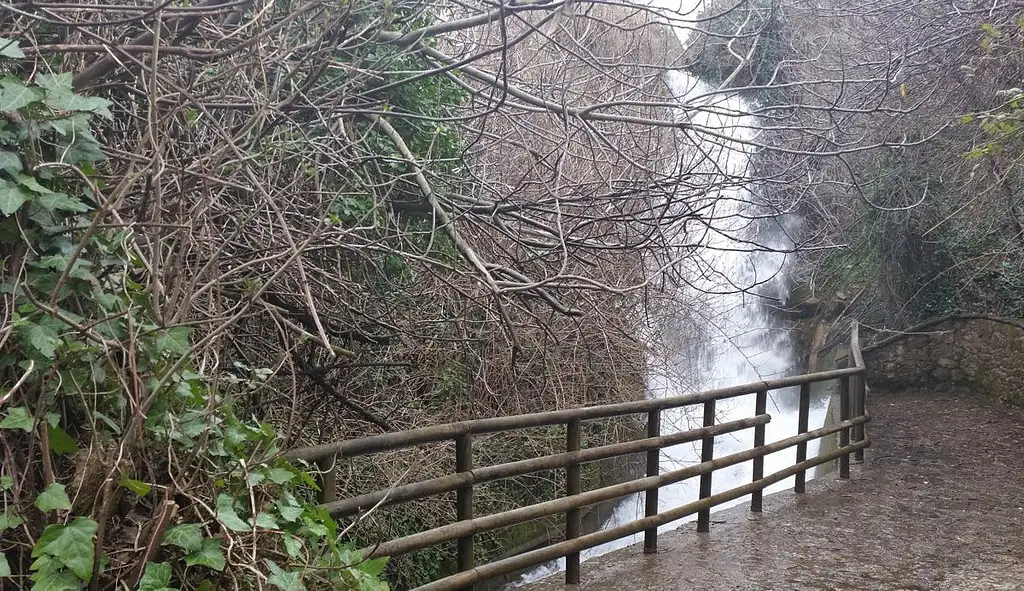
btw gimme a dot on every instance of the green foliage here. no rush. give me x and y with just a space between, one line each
89 352
64 548
418 568
959 250
52 498
157 577
904 268
416 106
187 536
18 417
760 21
998 146
1001 125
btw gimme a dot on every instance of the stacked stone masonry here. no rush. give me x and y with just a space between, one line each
984 354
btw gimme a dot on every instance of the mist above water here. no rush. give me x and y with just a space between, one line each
739 269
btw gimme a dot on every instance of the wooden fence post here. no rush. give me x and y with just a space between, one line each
801 448
844 435
707 453
572 516
859 411
651 494
760 407
328 468
464 499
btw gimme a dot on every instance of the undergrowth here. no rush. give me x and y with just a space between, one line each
123 463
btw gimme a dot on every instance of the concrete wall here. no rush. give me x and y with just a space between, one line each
982 353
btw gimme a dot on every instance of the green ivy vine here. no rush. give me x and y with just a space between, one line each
120 462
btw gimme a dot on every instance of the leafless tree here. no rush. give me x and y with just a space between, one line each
419 211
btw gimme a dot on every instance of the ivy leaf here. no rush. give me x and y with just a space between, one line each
61 96
58 201
226 514
55 84
9 161
5 569
281 475
46 566
209 555
6 482
193 424
15 95
138 487
109 422
374 567
57 581
317 529
60 442
12 197
282 579
292 545
71 544
71 126
254 478
77 102
186 536
52 498
173 341
18 417
30 183
266 521
10 520
9 48
289 511
81 147
42 338
156 578
58 262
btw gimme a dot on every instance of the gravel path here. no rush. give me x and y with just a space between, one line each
938 505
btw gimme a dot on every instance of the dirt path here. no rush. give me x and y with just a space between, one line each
939 505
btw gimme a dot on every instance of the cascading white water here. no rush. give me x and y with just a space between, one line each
742 342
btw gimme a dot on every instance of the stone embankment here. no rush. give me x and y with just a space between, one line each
980 353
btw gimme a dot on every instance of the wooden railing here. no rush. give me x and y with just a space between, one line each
850 427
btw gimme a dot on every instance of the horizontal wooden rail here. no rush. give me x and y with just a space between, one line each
444 484
554 551
450 431
850 430
460 529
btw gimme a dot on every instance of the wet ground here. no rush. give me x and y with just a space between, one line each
938 505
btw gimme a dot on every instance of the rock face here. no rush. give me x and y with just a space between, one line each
985 354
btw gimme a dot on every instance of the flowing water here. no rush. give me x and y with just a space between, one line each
741 341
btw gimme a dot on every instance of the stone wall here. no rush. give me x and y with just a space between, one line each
982 353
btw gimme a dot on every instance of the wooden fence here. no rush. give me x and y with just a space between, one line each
850 428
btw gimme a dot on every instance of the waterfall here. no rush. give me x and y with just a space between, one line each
741 342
